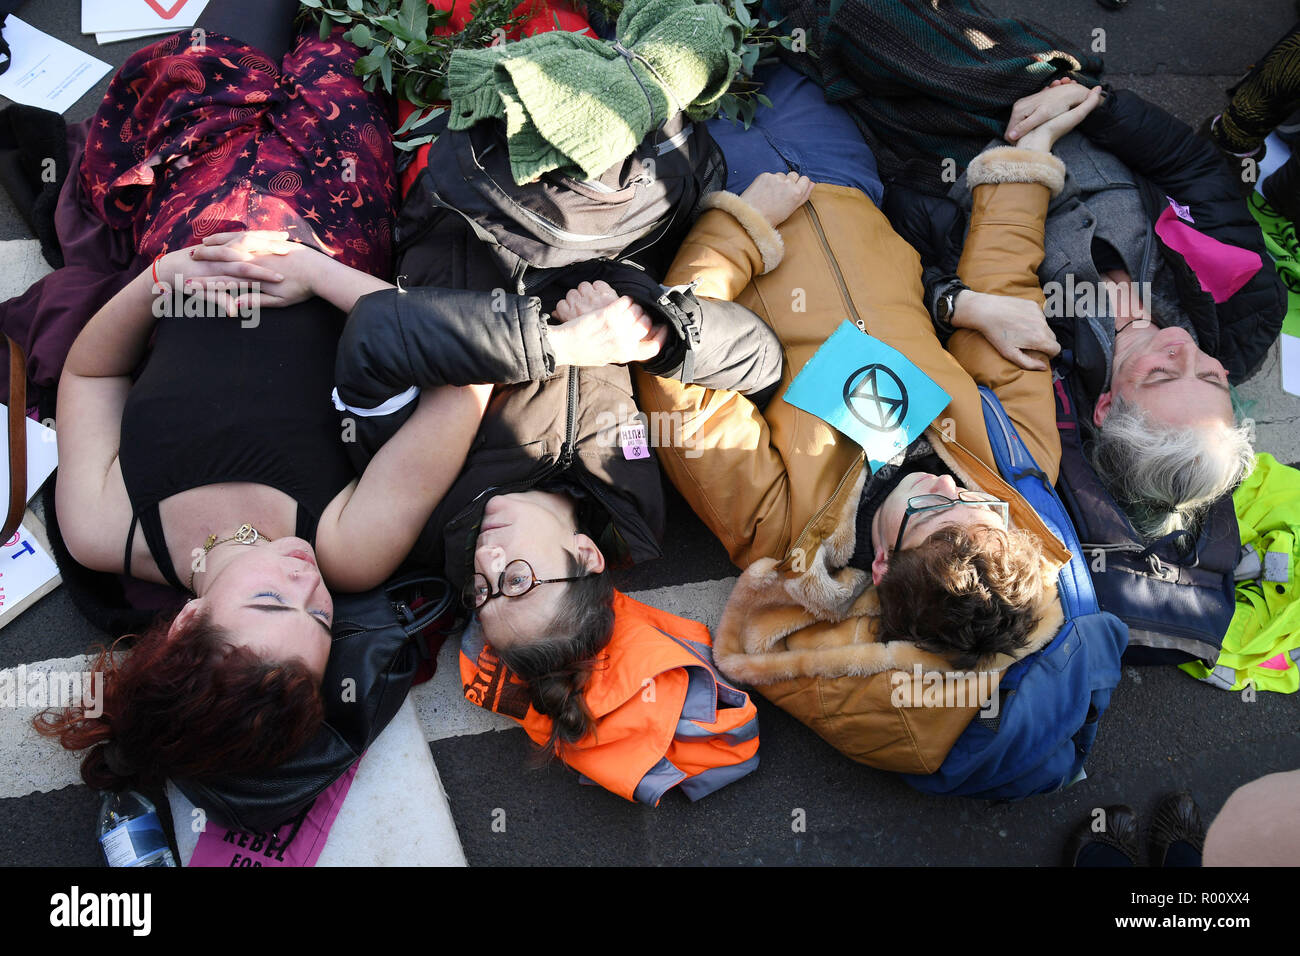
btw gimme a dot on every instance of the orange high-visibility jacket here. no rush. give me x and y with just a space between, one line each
664 716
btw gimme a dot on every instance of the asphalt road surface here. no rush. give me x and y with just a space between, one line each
1164 731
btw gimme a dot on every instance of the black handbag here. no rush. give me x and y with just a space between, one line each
378 648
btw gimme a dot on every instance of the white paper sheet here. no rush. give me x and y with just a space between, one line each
1290 364
114 16
25 566
46 72
103 38
42 454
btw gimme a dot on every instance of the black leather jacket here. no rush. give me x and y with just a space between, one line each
543 422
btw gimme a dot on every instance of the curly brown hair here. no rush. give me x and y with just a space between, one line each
966 593
191 705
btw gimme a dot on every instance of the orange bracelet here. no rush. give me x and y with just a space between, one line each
154 268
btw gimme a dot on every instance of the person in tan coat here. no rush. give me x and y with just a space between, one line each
792 501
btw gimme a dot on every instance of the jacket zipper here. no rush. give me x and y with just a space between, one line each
835 267
1146 255
570 425
857 320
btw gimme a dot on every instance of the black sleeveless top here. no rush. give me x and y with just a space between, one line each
217 402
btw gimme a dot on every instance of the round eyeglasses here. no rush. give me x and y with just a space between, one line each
515 581
921 504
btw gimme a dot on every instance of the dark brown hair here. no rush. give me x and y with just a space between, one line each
558 663
966 593
192 706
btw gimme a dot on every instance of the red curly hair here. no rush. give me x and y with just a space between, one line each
191 705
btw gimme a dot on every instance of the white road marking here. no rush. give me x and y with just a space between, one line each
39 765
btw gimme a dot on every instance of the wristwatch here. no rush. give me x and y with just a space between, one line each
945 305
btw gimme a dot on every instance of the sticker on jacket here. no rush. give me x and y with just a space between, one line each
869 391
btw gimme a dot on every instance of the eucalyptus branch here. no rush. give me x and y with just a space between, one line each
404 53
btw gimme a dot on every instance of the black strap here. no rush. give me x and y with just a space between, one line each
151 525
130 537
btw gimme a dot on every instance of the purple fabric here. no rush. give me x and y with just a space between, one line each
99 261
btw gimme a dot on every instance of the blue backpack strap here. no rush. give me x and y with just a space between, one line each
1051 700
1017 467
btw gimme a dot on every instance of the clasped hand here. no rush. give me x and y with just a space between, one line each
598 327
245 270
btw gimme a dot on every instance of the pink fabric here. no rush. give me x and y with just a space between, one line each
218 846
1220 268
1279 663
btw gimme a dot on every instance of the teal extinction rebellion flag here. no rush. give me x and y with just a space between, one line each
869 391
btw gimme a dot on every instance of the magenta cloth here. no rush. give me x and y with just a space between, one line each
1220 268
218 846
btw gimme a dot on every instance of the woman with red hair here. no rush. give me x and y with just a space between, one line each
198 445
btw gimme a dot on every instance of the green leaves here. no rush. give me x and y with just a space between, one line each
403 51
741 101
418 118
414 19
368 64
405 54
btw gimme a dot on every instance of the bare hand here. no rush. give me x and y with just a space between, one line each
1013 326
777 196
1033 111
600 328
587 297
293 264
222 278
1038 121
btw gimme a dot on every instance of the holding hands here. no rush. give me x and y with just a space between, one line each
1038 121
601 328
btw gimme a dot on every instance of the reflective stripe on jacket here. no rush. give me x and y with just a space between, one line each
664 716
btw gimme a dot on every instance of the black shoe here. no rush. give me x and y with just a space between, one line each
1111 846
1113 4
1282 188
1177 833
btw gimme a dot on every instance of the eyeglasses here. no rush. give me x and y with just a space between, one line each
920 504
515 581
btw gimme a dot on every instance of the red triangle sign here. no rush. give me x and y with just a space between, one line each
166 14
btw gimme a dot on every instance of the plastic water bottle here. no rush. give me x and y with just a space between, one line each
131 833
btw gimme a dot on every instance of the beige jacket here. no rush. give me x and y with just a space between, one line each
780 487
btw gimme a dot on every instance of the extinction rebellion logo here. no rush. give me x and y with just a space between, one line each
876 397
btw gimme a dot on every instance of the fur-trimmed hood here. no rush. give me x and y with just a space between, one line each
766 607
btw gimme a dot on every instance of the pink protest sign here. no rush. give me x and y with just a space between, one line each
218 846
